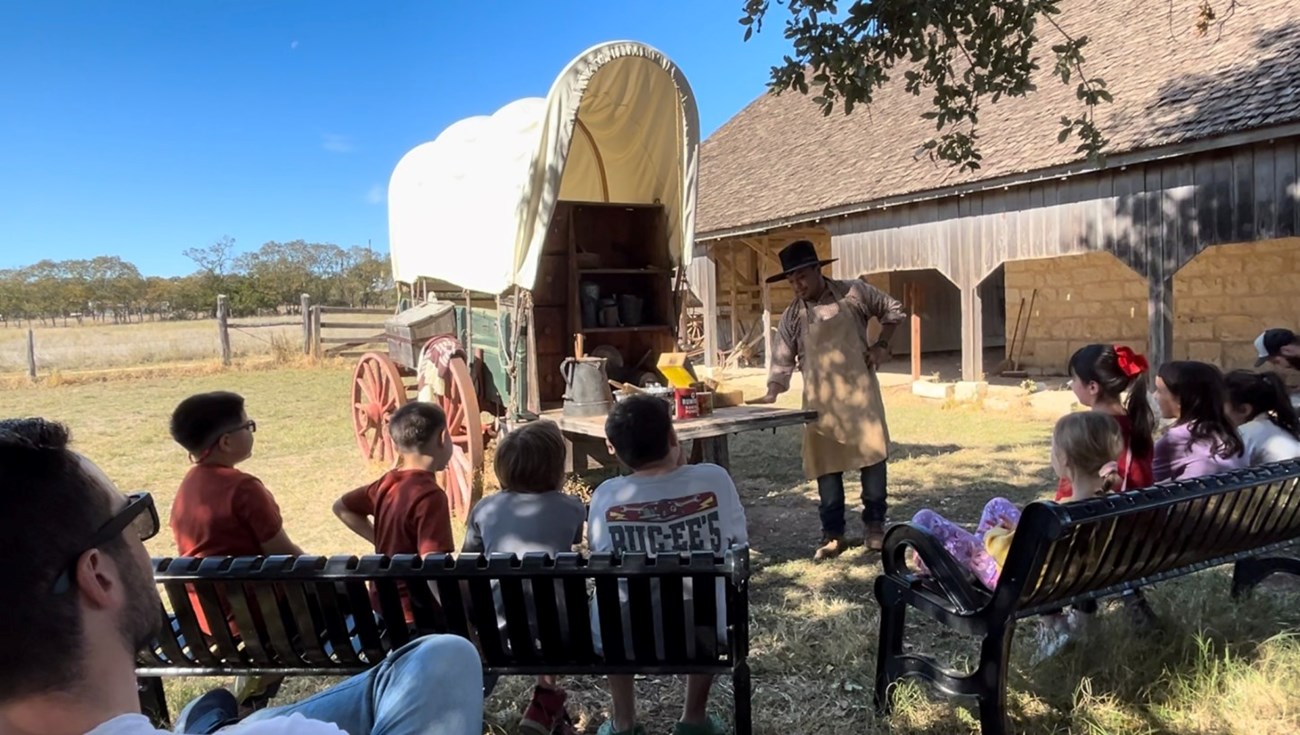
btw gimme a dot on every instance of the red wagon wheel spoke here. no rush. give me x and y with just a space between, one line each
462 478
377 391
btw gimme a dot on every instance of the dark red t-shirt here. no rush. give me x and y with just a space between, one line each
1137 473
411 515
220 511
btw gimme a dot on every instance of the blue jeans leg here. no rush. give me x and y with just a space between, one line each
831 508
431 685
874 497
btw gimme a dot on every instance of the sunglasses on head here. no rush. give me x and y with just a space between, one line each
139 514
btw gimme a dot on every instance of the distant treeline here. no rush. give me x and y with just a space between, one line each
269 280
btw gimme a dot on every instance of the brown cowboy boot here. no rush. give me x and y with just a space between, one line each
875 535
832 546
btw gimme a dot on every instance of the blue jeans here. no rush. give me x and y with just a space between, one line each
831 489
431 685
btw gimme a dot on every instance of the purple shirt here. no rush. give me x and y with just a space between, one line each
1178 456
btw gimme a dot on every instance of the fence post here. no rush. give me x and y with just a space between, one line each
223 331
31 354
315 331
305 308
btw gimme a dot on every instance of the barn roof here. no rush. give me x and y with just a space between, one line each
780 161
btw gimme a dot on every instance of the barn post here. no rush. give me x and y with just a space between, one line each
972 333
708 292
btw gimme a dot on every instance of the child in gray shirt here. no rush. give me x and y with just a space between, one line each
530 514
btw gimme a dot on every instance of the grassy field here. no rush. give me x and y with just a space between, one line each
1214 666
98 346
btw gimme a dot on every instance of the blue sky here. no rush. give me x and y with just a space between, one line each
141 128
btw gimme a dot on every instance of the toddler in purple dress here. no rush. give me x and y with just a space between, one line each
1085 450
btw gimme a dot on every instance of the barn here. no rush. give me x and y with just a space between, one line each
1182 242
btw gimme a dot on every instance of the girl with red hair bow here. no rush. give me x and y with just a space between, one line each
1100 375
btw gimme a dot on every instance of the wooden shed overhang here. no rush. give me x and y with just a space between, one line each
1154 210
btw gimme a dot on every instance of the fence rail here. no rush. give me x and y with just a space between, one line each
318 330
340 331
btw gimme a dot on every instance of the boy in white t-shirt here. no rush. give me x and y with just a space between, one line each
664 506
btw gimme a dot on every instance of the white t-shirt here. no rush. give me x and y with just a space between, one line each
692 508
1267 442
294 724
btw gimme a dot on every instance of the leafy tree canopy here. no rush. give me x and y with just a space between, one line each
965 53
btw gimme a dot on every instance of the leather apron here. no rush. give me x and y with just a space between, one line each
840 384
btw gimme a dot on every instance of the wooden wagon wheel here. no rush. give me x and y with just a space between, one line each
377 391
463 478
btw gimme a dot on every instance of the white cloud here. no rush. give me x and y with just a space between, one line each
336 143
376 194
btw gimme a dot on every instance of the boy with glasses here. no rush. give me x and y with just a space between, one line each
220 510
80 603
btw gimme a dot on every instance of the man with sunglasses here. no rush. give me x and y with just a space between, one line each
79 602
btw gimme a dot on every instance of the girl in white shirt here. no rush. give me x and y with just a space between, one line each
1259 406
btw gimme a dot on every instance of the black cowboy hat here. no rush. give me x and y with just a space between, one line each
798 255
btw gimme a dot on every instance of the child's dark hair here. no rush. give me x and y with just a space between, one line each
1115 369
1201 394
201 419
640 428
1266 394
413 425
530 459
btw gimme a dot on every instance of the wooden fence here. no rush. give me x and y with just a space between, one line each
342 331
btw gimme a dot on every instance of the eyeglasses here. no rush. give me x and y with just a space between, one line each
212 445
139 514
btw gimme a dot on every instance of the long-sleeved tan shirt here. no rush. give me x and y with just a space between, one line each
864 300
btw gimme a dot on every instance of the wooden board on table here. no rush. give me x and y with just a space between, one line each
723 421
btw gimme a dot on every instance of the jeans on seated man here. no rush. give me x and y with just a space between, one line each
80 602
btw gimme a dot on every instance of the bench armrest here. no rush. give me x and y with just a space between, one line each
957 583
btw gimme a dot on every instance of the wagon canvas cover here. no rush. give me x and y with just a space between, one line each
471 208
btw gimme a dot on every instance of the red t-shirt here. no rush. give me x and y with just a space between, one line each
1137 473
220 511
411 515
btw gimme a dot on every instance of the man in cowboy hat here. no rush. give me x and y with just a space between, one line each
1280 349
824 331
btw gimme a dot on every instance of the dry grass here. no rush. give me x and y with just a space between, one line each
1215 668
99 346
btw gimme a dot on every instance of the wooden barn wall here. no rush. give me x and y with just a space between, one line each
1154 217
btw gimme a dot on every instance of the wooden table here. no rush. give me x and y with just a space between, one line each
708 433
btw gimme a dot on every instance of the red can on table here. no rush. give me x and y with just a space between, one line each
687 407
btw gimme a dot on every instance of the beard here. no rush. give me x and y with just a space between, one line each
143 616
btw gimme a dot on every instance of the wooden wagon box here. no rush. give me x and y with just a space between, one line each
408 331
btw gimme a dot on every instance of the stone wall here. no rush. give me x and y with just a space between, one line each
1223 298
1081 299
1229 294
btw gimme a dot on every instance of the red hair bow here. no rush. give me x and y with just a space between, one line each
1130 363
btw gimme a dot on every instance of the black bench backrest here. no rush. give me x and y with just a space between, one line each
313 614
1062 553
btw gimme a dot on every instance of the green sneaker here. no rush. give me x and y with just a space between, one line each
715 726
607 728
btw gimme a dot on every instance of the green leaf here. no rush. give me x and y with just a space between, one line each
1065 133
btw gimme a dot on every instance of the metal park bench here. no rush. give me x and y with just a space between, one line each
1069 554
314 616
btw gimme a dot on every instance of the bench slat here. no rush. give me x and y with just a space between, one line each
673 610
362 614
195 639
483 618
335 629
280 641
704 598
308 627
516 603
641 609
610 616
578 637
